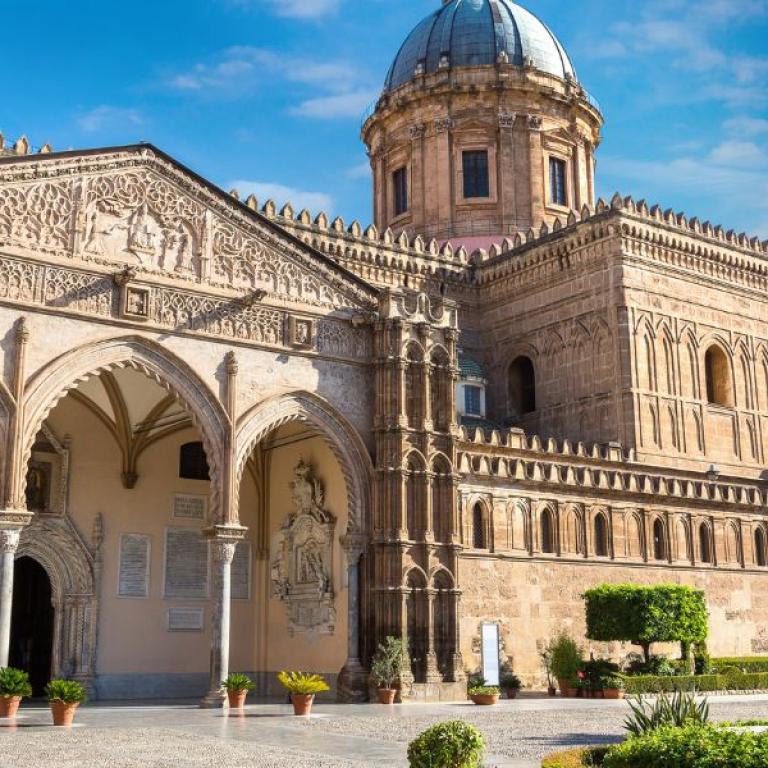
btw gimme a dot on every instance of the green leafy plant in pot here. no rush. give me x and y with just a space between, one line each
511 685
484 695
64 697
14 686
386 667
613 687
303 687
238 686
565 660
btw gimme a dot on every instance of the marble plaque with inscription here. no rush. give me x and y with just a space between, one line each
241 571
187 506
133 570
185 619
186 563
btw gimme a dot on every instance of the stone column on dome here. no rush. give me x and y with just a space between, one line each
353 679
536 163
444 179
416 177
9 543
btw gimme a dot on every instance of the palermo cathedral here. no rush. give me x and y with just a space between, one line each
243 438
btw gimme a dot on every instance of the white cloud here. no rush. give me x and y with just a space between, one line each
105 118
360 171
746 126
304 9
298 198
739 153
337 105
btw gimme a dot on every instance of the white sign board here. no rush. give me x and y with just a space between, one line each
186 563
133 568
187 506
185 619
491 653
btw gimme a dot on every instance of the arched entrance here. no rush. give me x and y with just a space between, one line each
32 623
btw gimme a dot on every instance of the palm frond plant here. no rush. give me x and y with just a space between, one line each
238 686
678 710
64 697
303 687
14 686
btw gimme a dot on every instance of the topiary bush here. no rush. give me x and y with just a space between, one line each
637 684
745 664
453 744
645 615
691 747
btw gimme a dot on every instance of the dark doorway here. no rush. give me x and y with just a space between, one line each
32 623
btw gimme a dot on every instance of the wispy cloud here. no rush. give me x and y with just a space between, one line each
298 198
304 9
336 89
360 171
104 118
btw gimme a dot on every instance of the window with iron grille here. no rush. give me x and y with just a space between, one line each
475 167
400 184
557 181
472 401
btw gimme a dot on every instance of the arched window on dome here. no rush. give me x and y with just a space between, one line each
522 387
659 540
717 373
705 544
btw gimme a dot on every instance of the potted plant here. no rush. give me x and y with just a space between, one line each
484 695
302 687
238 687
546 659
64 696
511 685
565 660
386 667
613 687
14 685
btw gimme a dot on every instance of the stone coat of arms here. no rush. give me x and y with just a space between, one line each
301 561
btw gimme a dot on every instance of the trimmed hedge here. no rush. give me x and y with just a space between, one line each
691 747
584 757
749 664
637 684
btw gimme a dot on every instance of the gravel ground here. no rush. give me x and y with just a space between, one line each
358 737
148 748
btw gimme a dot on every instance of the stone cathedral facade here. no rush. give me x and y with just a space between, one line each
242 438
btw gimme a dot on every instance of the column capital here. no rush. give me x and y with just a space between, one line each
9 540
354 544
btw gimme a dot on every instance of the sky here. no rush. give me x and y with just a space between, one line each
267 95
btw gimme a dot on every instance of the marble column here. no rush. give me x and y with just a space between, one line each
353 678
9 543
433 671
222 554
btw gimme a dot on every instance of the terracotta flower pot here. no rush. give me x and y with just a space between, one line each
302 703
564 686
485 700
511 693
63 713
386 695
9 705
613 693
236 699
552 691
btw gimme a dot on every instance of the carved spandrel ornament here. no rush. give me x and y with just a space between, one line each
302 558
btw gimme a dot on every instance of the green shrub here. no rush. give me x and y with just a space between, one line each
484 690
613 682
565 658
646 615
637 684
576 758
302 684
678 710
66 691
388 662
690 747
238 682
746 664
453 744
510 682
14 682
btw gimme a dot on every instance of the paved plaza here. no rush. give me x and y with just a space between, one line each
517 732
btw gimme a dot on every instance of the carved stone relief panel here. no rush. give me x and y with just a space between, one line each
302 558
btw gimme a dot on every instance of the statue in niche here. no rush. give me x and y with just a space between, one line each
38 486
301 564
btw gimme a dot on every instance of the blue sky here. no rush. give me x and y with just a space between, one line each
267 94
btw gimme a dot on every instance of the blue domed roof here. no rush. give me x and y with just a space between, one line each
468 33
